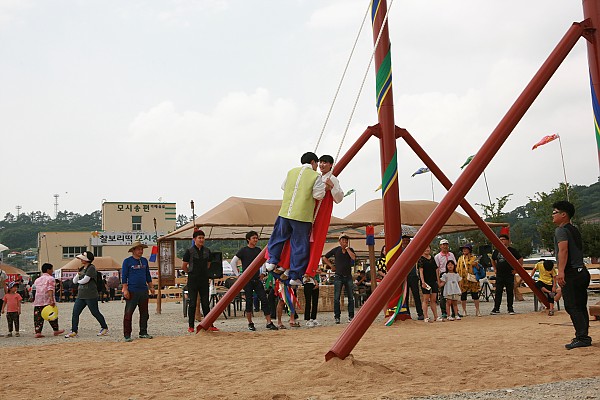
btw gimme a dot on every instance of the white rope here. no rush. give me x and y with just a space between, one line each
342 78
364 78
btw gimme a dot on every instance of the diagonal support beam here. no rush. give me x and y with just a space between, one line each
400 268
487 231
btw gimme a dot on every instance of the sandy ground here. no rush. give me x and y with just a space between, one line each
409 359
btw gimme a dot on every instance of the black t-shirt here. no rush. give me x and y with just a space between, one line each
429 267
503 268
246 256
198 264
342 261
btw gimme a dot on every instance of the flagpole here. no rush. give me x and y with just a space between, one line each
563 165
487 188
432 193
355 200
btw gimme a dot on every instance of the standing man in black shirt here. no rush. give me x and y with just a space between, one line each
505 276
344 257
246 255
196 264
573 276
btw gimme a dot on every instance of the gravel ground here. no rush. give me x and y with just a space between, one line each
172 323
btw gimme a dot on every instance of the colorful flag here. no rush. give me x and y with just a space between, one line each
469 159
379 187
153 254
349 192
420 171
545 140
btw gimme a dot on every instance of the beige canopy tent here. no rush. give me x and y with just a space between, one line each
101 264
10 270
412 213
234 217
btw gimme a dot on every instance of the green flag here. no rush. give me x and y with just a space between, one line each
469 159
349 192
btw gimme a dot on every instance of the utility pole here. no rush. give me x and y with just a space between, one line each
18 211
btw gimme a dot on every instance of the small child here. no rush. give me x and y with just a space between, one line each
452 292
12 308
547 282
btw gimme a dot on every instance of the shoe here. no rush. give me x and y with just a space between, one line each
337 320
71 335
495 312
310 324
269 266
308 279
350 319
38 335
550 313
511 312
284 276
9 334
316 323
461 315
17 334
420 318
272 327
450 318
458 318
56 333
439 319
145 336
279 270
281 327
128 339
427 320
295 324
251 327
191 329
577 343
213 328
477 314
295 282
444 316
103 332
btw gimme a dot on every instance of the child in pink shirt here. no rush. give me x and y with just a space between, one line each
12 308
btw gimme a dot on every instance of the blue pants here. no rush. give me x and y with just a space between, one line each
298 233
78 307
348 283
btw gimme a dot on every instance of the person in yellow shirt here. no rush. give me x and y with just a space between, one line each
547 282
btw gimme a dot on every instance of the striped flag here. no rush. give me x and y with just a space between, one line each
545 140
349 192
420 171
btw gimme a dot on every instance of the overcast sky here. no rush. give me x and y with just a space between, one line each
195 99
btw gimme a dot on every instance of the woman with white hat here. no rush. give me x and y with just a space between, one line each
87 295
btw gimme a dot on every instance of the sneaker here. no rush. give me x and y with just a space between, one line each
145 336
550 313
316 323
477 314
295 282
495 312
279 270
128 339
9 334
251 326
450 318
38 335
308 279
310 324
269 266
191 329
458 318
427 320
577 343
337 320
272 327
213 328
439 319
56 333
461 315
512 312
420 318
444 316
71 335
350 319
103 332
17 334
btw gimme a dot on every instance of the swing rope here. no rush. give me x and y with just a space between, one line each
342 78
387 13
